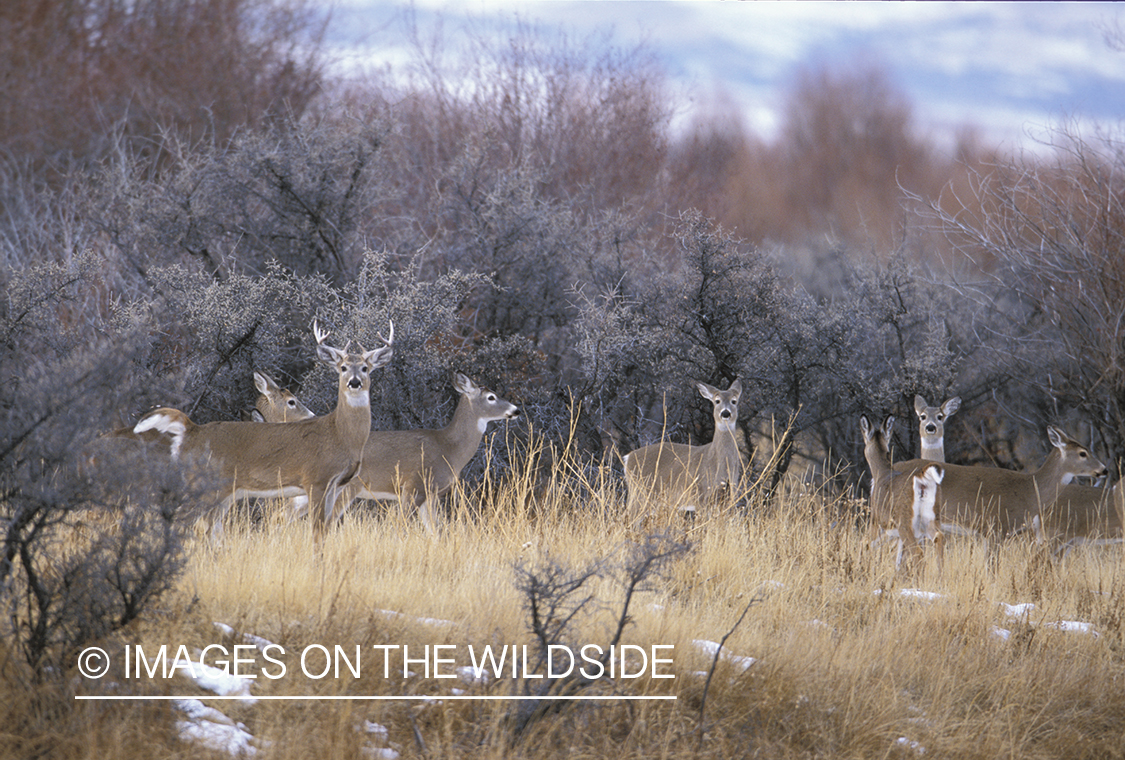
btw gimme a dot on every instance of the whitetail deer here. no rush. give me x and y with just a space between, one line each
1083 515
931 426
417 467
995 502
877 452
686 476
908 520
314 457
275 404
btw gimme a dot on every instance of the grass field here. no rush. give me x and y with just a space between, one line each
835 656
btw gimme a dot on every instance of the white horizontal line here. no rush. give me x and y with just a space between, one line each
133 697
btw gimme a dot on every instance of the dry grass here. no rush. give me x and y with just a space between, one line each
845 664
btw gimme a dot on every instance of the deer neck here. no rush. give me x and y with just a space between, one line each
1051 477
462 436
724 444
878 461
352 417
933 451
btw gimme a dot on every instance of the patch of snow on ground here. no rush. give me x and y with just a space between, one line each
249 638
376 733
379 753
472 676
215 679
904 742
1071 626
424 621
233 740
710 647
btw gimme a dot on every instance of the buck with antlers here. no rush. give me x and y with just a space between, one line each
688 476
931 426
314 457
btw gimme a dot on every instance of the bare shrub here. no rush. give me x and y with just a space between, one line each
846 148
884 334
1045 237
560 602
590 116
65 579
73 73
298 192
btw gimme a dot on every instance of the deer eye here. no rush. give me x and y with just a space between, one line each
292 403
491 396
940 417
1081 454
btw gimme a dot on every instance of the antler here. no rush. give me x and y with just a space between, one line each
320 334
388 341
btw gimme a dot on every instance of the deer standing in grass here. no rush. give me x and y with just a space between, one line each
931 426
417 467
995 502
314 457
906 519
687 476
1083 515
877 452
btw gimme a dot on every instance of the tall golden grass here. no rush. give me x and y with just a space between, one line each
847 661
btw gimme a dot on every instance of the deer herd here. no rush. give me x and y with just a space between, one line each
323 463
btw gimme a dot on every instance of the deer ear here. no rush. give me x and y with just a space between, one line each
951 406
264 383
920 405
463 384
889 427
736 386
865 426
707 391
329 355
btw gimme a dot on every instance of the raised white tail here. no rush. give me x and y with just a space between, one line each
925 515
686 477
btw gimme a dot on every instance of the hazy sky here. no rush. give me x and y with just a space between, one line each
1008 68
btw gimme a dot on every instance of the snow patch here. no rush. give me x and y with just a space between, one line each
710 647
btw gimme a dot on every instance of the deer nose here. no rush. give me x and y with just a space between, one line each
355 383
931 428
725 414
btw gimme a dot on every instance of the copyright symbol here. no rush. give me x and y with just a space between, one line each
93 662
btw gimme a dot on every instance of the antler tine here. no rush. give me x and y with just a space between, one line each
390 339
320 334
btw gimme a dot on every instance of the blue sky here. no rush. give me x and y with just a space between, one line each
1009 69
